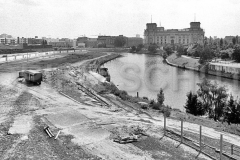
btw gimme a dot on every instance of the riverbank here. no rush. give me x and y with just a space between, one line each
159 52
193 64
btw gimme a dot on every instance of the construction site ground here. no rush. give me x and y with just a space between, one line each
88 127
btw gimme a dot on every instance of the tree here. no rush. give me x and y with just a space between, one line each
193 106
224 55
230 112
152 48
119 41
236 53
205 55
133 49
168 50
221 42
180 50
213 98
226 43
139 47
210 40
160 97
234 40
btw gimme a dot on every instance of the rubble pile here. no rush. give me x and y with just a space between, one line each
126 134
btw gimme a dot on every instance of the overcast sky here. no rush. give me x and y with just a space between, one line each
73 18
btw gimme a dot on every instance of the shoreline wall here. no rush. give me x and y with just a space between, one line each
209 72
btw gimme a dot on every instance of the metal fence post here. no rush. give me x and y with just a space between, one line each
181 131
221 141
231 149
200 140
164 124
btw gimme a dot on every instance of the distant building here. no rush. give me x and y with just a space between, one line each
61 44
91 43
81 45
161 36
134 41
7 39
102 40
229 39
35 40
51 39
22 40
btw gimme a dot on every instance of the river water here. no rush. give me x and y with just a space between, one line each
146 74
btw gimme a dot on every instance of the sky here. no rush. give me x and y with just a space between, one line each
75 18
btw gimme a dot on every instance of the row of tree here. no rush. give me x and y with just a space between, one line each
135 49
207 52
214 101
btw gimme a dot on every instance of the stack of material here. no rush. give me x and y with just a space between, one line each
128 134
127 139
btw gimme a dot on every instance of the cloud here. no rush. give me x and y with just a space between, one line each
27 2
234 1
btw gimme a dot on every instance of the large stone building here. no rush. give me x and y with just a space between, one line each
161 36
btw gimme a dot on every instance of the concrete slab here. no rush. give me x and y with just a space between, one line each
84 135
67 119
22 125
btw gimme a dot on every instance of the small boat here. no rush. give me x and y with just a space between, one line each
104 72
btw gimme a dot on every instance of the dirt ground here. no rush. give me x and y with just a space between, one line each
88 127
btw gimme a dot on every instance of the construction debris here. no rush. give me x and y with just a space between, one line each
57 134
48 131
128 134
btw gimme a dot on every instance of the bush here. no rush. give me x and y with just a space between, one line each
152 48
193 106
133 49
155 106
145 98
123 95
167 112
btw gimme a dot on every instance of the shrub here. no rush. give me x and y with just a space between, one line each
152 48
193 106
155 105
160 97
166 110
152 102
145 98
123 95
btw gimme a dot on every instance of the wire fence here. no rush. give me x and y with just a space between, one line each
213 148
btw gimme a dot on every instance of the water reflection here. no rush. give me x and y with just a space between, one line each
146 74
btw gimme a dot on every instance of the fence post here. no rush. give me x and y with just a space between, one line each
137 94
231 149
221 141
200 140
164 124
181 130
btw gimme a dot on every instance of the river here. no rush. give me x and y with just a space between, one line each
146 74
